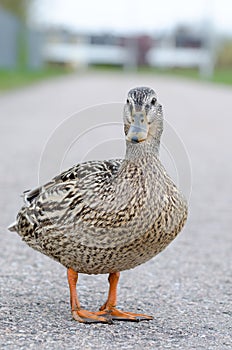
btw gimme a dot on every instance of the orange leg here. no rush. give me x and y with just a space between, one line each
110 306
79 314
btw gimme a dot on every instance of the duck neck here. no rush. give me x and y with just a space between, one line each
138 151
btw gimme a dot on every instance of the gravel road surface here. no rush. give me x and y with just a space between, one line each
187 287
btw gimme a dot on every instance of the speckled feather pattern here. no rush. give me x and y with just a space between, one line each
106 216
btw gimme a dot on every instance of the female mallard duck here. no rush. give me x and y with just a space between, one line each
108 216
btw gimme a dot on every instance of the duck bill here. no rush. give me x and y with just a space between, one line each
138 130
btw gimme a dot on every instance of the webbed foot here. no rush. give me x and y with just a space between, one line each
119 315
85 316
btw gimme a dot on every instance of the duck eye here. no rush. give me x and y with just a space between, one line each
127 101
153 101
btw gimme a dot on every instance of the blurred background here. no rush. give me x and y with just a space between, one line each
40 39
80 54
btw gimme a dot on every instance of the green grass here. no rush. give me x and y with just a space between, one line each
21 77
221 75
10 79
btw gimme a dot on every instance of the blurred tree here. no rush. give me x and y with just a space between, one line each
225 55
18 7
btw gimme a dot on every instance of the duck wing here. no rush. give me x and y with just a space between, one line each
56 190
73 175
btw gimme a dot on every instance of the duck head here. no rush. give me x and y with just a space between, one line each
143 117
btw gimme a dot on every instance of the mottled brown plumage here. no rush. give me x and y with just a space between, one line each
108 216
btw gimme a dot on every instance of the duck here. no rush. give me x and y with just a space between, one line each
104 217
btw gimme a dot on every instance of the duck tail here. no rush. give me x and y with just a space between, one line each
13 227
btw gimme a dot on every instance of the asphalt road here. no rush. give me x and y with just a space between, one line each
187 287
